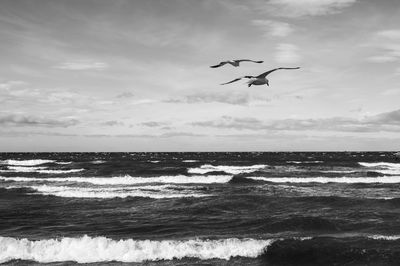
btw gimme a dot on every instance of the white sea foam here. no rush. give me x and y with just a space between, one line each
382 237
40 169
27 162
338 171
98 162
129 180
25 169
189 161
226 168
383 167
350 180
100 249
60 171
378 164
114 192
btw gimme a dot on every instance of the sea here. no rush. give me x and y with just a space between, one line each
209 208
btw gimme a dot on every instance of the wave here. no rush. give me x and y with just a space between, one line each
383 237
189 161
41 170
332 251
154 192
98 162
349 180
378 164
98 249
129 180
299 162
26 162
226 168
383 167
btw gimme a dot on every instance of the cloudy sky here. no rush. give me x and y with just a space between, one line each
133 75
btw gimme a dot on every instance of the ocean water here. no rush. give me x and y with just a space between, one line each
284 208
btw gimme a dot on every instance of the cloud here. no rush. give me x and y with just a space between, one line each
126 94
287 53
228 98
82 65
153 124
390 34
387 42
232 123
33 121
273 28
296 8
389 121
112 123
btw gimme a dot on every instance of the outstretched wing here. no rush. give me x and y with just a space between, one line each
220 64
249 77
248 60
263 75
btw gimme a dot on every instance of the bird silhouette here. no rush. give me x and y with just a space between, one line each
260 79
235 63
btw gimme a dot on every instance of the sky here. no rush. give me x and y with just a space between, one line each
134 75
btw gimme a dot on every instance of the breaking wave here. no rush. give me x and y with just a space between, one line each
27 162
98 249
382 237
40 169
350 180
154 192
206 168
383 167
129 180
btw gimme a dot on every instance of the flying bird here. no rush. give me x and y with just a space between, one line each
235 63
260 79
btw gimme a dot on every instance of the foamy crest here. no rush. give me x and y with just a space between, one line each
382 237
350 180
108 193
40 169
99 249
383 167
226 168
394 165
27 162
129 180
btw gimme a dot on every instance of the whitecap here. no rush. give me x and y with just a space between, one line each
350 180
100 249
226 168
27 162
129 180
153 192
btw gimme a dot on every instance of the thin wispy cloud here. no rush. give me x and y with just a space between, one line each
389 121
35 121
153 124
112 123
82 65
125 95
287 53
387 43
296 8
393 34
226 98
273 28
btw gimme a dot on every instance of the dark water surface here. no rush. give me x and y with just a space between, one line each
200 208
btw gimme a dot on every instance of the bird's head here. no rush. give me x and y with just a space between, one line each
267 82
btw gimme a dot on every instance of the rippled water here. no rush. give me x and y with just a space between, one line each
193 208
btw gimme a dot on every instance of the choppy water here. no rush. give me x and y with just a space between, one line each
200 208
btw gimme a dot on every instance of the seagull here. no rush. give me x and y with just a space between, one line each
235 63
260 79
